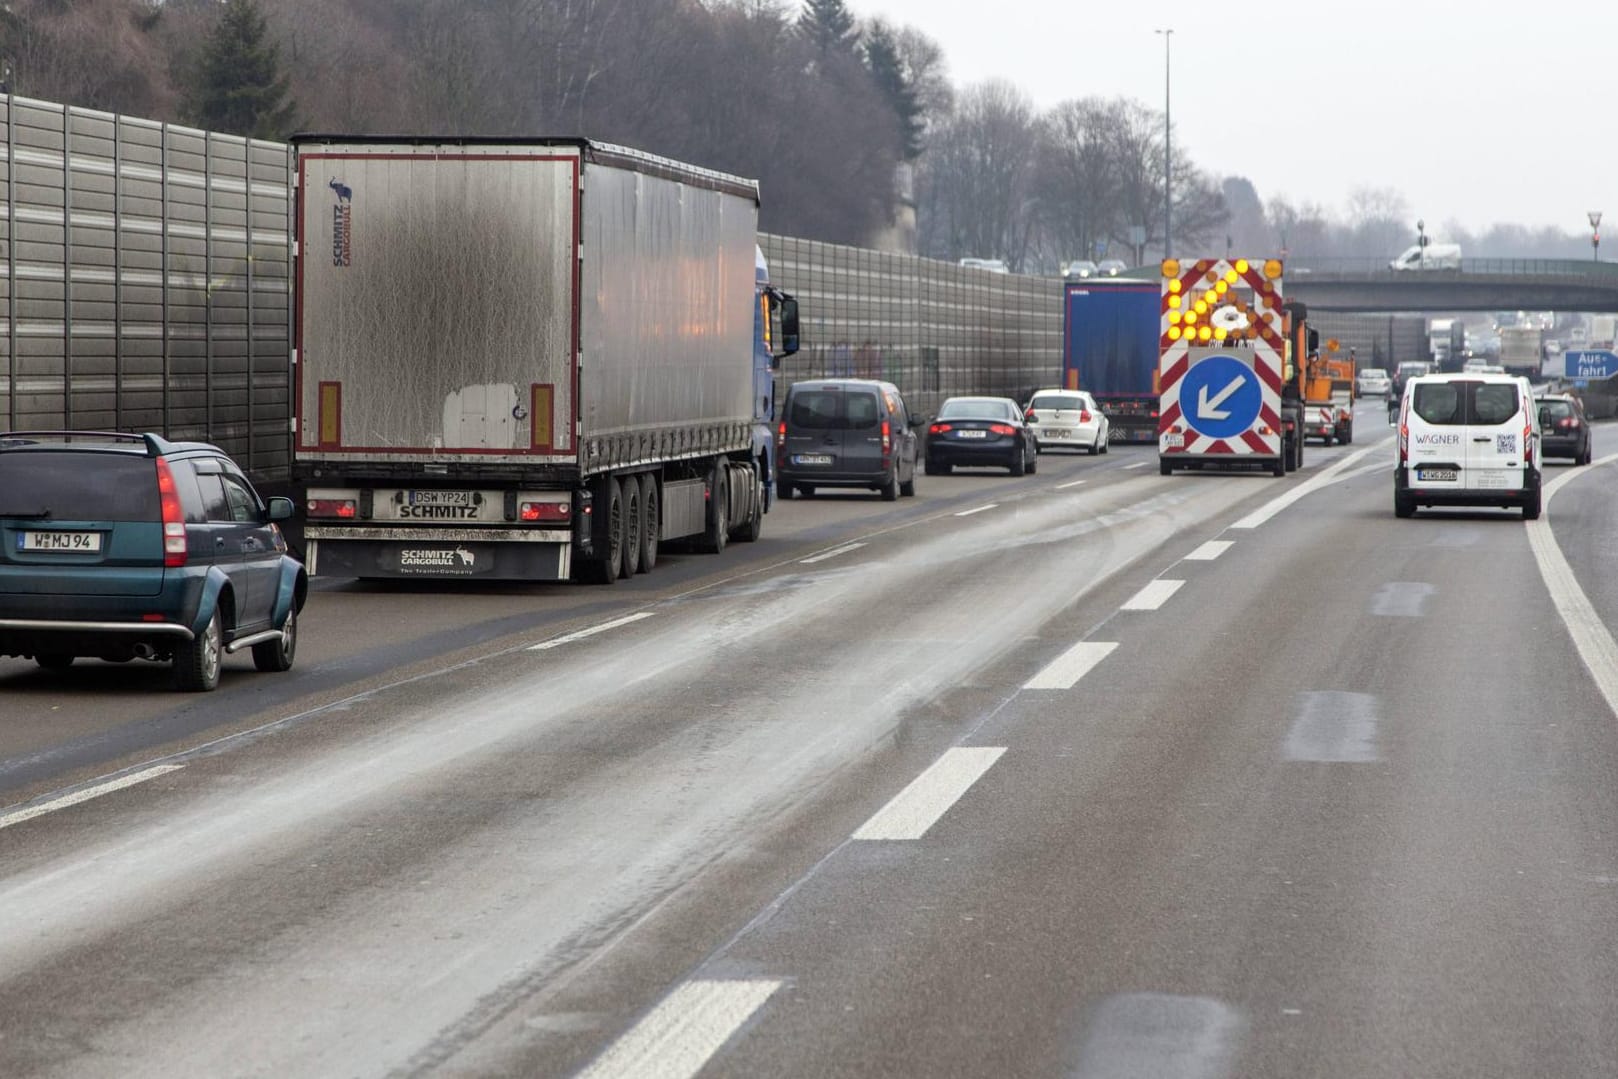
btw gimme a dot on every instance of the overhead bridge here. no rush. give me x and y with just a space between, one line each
1479 285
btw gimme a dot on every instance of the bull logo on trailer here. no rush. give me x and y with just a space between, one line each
1222 361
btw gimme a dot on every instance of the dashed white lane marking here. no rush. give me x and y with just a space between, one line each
1590 635
928 797
1137 464
977 509
1210 551
833 553
1328 476
1070 483
569 638
676 1040
1153 596
17 816
1065 670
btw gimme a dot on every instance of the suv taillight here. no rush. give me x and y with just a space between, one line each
174 551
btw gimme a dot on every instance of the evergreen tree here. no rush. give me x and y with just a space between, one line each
241 88
828 25
891 78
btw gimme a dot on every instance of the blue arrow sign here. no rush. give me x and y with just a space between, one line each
1593 363
1220 397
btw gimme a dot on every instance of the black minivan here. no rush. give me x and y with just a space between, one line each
845 432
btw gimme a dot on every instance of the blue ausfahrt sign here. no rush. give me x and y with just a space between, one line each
1592 363
1220 397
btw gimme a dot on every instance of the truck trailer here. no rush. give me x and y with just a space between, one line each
533 359
1109 348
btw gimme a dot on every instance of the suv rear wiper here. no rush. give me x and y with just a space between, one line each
41 514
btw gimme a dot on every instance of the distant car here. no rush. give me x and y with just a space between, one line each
1081 269
1066 419
980 431
121 546
1373 382
1406 371
845 432
1564 431
1112 267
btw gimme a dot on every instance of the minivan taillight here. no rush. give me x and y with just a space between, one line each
887 438
781 434
173 516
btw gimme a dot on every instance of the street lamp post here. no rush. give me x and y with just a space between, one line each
1421 242
1168 157
1595 235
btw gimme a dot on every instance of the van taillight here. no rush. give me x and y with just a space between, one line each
174 551
781 434
887 437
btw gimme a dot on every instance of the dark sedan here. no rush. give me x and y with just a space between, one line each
980 431
1564 431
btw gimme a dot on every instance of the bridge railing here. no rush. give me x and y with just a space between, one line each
1306 264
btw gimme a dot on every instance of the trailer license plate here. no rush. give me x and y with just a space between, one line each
812 459
59 541
440 498
1435 474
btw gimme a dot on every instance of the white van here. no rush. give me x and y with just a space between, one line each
1468 440
1437 257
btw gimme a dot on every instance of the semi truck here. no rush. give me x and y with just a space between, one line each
532 359
1226 366
1109 348
1521 350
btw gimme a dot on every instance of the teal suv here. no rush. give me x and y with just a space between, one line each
122 547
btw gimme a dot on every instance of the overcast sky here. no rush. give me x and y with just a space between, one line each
1477 113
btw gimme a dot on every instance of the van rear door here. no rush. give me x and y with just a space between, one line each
1497 436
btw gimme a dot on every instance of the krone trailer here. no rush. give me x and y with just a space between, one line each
526 359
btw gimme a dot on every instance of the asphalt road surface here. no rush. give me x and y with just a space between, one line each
1092 773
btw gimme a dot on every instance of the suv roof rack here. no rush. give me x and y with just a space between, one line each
155 445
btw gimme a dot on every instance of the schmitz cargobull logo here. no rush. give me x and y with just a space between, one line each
342 223
457 560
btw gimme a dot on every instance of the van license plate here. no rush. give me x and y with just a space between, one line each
812 459
1435 474
59 541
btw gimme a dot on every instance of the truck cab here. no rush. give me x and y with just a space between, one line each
771 307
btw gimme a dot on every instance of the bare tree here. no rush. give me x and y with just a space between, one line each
101 54
1076 178
976 181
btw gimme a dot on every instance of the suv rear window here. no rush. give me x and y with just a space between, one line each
1460 402
834 410
78 486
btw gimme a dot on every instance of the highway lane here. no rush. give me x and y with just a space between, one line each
55 728
504 867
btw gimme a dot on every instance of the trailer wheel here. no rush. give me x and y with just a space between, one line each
718 527
652 522
754 528
634 527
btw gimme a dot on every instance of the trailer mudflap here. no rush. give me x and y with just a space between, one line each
420 558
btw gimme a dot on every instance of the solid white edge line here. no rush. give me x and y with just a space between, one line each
679 1036
833 553
977 509
557 642
1590 635
1070 483
1154 595
1327 476
1210 551
1065 670
930 795
17 816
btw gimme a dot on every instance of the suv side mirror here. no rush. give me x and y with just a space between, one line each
281 509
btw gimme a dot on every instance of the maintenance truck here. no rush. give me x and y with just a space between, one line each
1109 348
1225 364
532 359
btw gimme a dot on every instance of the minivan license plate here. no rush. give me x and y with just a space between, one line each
812 459
59 541
1436 474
